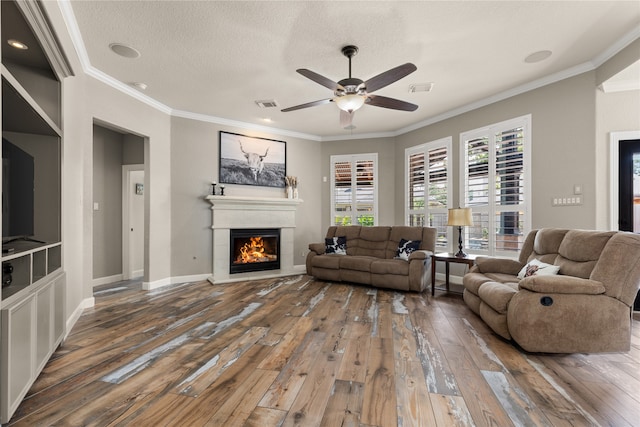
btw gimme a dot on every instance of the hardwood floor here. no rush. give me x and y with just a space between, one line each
296 351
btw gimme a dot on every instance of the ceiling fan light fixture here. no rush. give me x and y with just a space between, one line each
350 102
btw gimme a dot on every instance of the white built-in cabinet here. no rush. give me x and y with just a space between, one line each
33 295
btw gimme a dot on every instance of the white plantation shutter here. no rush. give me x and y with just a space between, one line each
429 186
354 190
496 184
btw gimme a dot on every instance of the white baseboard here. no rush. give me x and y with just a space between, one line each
456 280
71 321
105 280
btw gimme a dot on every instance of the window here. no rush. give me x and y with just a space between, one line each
427 171
496 185
354 184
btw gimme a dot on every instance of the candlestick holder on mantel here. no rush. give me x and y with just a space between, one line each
213 188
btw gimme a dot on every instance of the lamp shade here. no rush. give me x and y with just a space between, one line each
460 217
350 102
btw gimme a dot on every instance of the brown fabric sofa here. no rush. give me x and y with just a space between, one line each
370 257
586 307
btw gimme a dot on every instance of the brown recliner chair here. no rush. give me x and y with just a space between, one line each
586 307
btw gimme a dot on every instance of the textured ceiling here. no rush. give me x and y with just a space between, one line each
217 57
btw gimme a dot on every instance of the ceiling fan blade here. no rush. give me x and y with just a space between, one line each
307 105
389 76
346 118
394 104
320 79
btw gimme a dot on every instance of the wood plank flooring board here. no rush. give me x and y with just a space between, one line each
519 407
554 403
576 392
413 406
284 389
282 352
265 417
439 376
380 400
483 405
194 384
345 405
354 362
309 405
197 411
238 407
451 411
477 346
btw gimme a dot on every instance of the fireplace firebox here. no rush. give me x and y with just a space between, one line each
254 250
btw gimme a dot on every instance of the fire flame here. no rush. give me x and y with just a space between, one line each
253 251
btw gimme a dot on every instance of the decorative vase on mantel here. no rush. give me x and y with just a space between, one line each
289 192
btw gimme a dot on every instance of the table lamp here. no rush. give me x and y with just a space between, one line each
460 217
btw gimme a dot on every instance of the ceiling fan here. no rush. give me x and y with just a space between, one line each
351 93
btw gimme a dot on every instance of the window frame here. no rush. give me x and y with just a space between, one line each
492 207
426 210
353 159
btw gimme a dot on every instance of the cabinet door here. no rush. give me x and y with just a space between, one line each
59 309
17 355
44 325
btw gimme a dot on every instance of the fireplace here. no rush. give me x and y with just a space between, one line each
254 249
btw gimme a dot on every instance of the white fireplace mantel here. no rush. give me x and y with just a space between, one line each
229 212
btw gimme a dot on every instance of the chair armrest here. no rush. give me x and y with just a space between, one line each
498 265
318 248
423 254
561 285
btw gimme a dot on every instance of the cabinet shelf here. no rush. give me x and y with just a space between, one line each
26 268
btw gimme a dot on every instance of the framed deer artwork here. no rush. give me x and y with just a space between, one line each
249 160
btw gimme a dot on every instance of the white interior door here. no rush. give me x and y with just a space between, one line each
133 221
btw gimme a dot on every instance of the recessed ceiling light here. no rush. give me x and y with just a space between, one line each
17 44
124 50
139 85
538 56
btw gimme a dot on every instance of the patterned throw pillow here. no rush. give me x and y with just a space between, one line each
406 247
538 268
336 245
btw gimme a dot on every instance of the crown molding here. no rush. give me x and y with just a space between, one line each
243 125
41 26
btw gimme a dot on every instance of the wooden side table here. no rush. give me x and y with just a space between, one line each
447 258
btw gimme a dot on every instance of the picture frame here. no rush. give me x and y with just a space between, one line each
250 160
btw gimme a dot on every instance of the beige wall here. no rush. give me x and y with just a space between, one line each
563 147
384 147
194 164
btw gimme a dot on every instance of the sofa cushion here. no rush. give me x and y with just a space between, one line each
405 232
390 266
336 245
372 242
497 295
538 268
406 248
358 263
331 261
579 252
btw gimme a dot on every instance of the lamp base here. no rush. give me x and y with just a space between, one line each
460 253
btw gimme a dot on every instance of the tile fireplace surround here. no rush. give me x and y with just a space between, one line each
229 212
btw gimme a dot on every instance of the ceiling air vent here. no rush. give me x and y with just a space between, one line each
421 87
267 103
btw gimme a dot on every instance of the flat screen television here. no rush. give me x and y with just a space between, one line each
17 193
